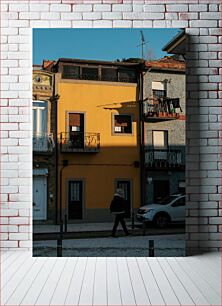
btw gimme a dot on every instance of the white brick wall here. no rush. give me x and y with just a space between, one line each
201 19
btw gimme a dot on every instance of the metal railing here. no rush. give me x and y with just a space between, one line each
160 107
79 142
43 142
171 157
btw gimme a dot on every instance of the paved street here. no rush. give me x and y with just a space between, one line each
167 245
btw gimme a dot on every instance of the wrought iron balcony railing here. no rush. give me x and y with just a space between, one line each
161 108
171 157
79 142
43 142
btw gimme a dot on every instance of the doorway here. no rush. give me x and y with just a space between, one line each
76 130
39 200
161 189
75 199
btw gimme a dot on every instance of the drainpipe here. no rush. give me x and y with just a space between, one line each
55 101
142 133
56 158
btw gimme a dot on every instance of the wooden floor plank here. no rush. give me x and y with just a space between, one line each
48 290
166 289
126 289
151 285
39 282
139 288
4 255
210 260
10 287
13 269
74 289
208 292
100 283
110 281
18 294
113 286
212 278
10 261
62 288
188 283
86 294
182 295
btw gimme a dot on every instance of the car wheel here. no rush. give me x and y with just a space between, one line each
161 221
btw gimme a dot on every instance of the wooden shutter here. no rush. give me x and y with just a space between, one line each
74 120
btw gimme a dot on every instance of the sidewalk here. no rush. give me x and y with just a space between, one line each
79 227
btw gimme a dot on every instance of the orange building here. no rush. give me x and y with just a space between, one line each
99 132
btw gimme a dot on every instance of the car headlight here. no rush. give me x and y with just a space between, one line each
148 210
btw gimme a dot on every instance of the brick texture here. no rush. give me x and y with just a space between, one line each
202 21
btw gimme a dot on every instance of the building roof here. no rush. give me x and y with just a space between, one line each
48 64
97 62
177 45
166 63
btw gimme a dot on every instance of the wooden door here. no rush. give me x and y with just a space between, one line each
75 199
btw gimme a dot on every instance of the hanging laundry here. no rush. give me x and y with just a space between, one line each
176 102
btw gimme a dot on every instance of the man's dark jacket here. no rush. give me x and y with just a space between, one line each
118 205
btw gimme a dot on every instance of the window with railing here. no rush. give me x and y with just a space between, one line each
173 156
79 142
42 140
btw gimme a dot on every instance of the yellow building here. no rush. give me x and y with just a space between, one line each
98 137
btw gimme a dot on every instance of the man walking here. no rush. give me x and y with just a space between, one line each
118 208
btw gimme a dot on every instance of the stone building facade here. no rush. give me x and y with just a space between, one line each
165 129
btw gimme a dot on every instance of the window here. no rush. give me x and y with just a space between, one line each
71 72
159 93
76 130
39 111
40 126
123 124
180 202
159 89
109 74
90 73
98 73
160 145
182 186
128 76
160 139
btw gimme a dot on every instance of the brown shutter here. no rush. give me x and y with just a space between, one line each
121 120
74 119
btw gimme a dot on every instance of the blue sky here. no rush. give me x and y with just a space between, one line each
98 44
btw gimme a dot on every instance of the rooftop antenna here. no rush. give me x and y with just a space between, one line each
143 42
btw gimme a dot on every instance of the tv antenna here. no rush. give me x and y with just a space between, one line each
143 42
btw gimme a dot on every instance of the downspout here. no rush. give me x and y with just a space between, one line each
142 151
55 100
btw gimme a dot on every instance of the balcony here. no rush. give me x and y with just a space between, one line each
75 142
161 109
43 143
173 157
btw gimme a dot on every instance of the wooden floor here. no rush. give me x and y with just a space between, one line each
110 281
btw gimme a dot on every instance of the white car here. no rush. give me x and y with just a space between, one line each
170 209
